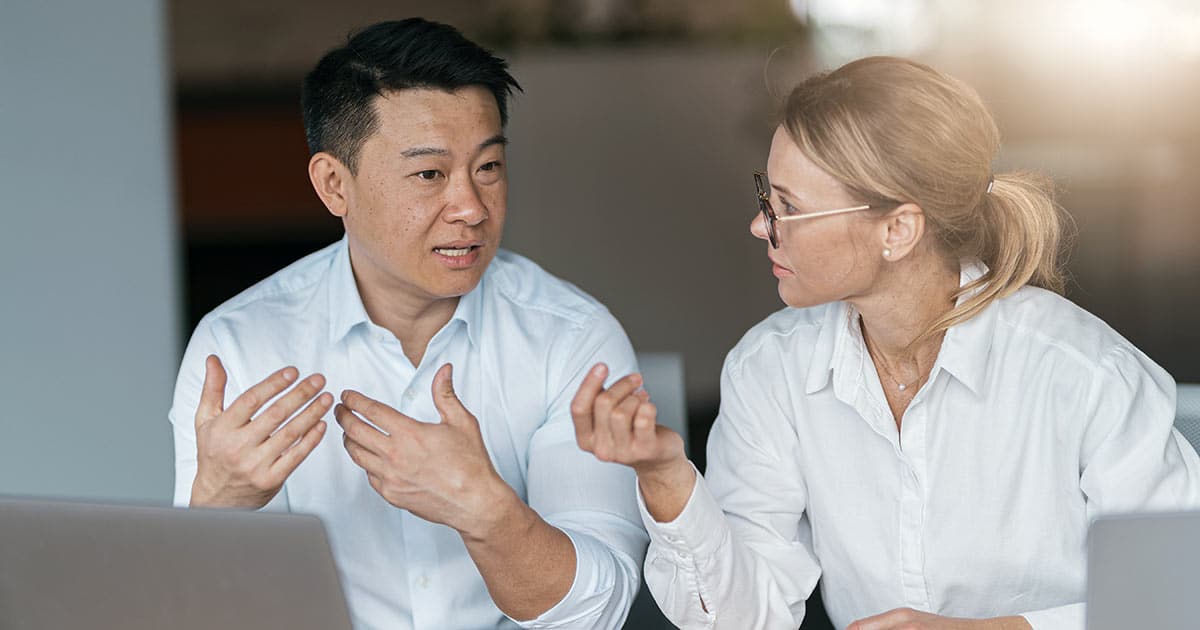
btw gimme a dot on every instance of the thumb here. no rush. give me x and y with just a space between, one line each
448 405
212 396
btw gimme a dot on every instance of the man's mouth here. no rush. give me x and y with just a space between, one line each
455 251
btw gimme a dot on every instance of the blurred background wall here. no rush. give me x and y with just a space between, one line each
90 304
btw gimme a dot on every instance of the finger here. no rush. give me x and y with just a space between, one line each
251 400
621 425
291 457
363 457
882 621
297 426
268 421
361 432
449 407
212 396
387 419
644 423
616 393
582 404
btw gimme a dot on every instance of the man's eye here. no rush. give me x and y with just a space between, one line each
428 175
490 166
788 208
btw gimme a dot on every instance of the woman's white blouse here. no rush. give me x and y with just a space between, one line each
1036 418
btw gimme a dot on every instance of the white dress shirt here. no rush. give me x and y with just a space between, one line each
1035 418
520 343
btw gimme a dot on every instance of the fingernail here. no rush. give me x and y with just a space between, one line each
290 374
598 370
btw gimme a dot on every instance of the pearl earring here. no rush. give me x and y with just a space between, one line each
887 253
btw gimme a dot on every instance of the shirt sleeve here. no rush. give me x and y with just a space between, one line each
742 544
1132 458
594 503
188 386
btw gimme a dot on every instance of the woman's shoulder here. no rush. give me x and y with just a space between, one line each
1036 316
788 331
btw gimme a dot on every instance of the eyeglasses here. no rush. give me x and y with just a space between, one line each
764 206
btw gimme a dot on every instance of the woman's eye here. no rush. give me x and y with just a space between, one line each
428 175
788 208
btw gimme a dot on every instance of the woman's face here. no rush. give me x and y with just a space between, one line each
823 259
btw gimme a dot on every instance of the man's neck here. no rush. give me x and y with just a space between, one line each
413 319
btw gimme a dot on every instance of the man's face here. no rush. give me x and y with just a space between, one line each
426 209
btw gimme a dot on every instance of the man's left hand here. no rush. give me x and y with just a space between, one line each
909 619
438 471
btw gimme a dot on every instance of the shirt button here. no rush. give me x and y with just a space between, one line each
423 581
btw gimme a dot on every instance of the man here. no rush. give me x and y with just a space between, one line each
451 483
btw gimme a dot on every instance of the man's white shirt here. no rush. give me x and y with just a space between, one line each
521 343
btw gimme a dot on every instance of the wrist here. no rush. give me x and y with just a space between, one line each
497 509
674 473
666 490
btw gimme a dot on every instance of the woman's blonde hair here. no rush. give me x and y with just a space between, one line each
895 131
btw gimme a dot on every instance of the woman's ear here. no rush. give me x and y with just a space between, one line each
331 179
902 229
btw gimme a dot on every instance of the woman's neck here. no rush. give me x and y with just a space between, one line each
910 295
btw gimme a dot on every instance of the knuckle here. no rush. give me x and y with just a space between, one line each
244 469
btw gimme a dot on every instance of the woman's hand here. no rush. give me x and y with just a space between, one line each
909 619
618 425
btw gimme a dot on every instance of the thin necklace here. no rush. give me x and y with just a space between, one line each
900 386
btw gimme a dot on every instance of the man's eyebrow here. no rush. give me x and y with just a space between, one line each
494 140
423 151
415 152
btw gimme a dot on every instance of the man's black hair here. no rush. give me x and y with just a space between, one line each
338 95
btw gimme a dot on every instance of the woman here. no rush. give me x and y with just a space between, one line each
929 426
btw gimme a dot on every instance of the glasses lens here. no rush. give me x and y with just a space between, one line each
764 206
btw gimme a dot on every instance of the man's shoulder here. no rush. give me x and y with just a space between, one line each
283 293
526 290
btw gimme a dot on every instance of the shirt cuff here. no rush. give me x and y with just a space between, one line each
698 530
1069 617
585 603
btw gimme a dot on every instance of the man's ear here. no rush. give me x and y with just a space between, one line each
331 179
903 228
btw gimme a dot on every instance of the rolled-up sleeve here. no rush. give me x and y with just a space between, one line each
594 503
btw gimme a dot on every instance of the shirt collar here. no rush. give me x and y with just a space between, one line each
964 351
345 304
346 308
831 341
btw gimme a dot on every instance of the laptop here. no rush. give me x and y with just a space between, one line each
76 565
1144 572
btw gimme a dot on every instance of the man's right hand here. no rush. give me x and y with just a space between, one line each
243 463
